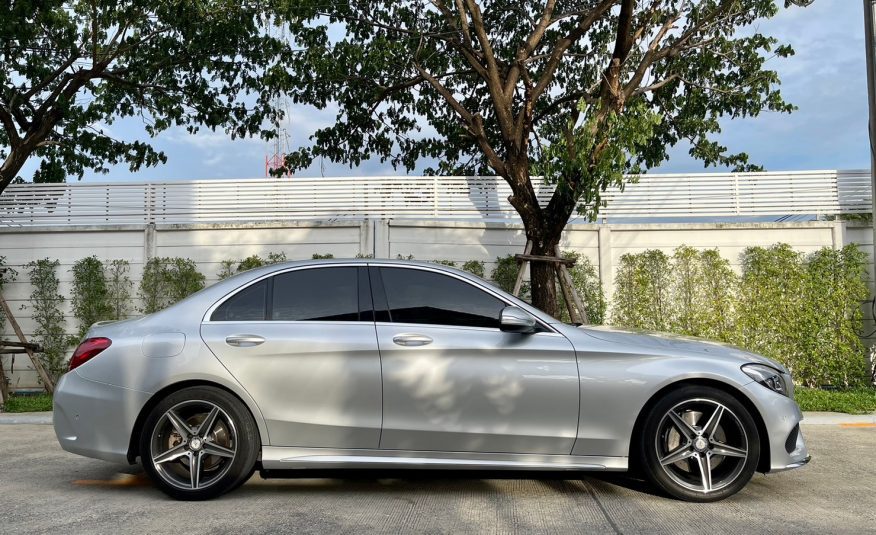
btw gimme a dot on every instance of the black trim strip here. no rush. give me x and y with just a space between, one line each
378 296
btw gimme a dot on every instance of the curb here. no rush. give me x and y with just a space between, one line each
17 418
838 418
809 418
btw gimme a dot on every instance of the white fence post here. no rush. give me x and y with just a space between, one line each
150 239
606 267
381 238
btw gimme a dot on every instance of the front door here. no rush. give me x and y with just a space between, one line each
303 344
453 381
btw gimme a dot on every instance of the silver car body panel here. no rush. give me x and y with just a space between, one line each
478 390
274 458
318 383
566 397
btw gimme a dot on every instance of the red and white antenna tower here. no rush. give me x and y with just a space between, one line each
275 159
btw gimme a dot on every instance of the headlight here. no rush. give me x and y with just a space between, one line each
768 377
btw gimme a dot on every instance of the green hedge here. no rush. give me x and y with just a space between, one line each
804 311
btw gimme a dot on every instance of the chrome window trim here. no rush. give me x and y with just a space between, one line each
413 327
437 269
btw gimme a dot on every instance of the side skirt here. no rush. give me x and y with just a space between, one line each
282 458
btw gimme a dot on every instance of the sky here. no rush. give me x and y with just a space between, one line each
825 79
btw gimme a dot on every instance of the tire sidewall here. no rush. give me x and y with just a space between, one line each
648 454
247 436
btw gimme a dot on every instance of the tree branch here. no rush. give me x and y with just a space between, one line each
528 47
9 126
563 45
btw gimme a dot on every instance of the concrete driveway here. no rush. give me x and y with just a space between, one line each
43 489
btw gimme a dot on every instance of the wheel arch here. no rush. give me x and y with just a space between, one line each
134 440
763 463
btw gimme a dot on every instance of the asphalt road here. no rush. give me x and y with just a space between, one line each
44 489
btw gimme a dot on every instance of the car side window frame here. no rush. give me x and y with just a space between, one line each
364 295
383 313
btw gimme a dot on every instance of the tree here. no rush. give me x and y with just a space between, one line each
69 67
578 92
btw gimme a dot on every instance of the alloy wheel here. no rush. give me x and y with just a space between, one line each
701 445
194 444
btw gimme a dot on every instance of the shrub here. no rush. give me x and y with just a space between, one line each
831 320
448 263
475 267
168 280
90 295
316 256
642 291
801 311
772 294
118 284
505 275
720 284
702 294
232 267
7 274
46 314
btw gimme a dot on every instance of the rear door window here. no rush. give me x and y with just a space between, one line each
248 304
316 294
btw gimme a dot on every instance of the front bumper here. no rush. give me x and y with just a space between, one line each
781 417
95 419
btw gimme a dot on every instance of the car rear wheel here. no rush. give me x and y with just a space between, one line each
199 443
700 444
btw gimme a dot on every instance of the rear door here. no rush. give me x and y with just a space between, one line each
453 381
303 344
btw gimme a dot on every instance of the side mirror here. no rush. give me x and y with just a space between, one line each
517 320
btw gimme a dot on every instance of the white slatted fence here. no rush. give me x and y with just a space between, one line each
400 197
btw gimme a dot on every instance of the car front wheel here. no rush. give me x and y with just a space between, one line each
198 443
700 444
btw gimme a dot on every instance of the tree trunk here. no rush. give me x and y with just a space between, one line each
542 275
541 230
9 169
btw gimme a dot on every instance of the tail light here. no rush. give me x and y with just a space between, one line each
88 349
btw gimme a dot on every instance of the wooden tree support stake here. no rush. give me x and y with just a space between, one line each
28 348
577 312
4 385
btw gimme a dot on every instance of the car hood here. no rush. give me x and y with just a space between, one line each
673 343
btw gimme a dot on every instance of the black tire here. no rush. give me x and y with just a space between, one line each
226 453
664 437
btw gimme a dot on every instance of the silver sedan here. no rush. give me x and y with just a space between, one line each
389 364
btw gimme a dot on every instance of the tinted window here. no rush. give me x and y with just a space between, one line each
416 296
326 294
246 305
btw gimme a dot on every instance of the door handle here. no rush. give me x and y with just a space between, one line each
411 340
244 340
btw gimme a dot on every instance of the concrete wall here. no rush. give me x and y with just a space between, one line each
460 241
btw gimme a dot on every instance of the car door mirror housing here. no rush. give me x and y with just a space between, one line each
517 320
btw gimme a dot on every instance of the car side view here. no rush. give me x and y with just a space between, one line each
394 364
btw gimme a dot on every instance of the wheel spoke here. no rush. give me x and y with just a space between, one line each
682 426
728 451
680 454
207 425
195 460
172 454
705 464
713 422
181 427
215 449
